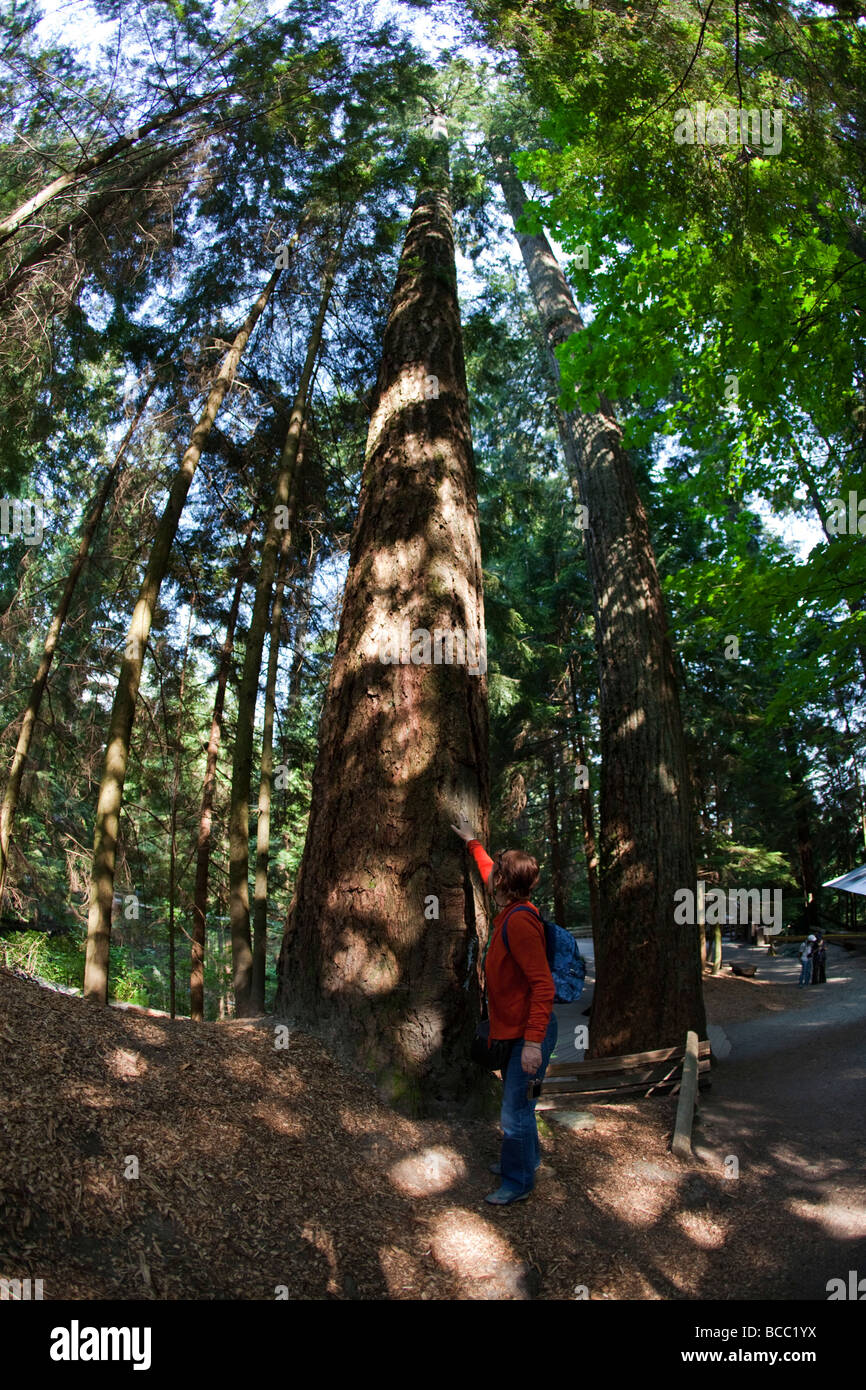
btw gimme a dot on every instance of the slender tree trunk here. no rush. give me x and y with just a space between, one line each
584 794
299 644
649 966
13 221
91 215
175 785
382 948
31 713
205 821
239 820
717 949
555 848
263 824
123 710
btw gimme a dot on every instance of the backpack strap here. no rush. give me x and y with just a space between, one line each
519 907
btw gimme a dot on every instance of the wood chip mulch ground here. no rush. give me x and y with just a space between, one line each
145 1158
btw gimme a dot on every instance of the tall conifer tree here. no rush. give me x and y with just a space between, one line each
649 966
382 943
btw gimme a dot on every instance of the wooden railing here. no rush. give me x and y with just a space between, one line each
637 1072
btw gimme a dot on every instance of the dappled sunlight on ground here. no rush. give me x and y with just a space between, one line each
140 1031
701 1230
467 1246
645 1207
840 1220
276 1118
323 1242
245 1069
403 1274
361 1122
83 1093
424 1174
126 1066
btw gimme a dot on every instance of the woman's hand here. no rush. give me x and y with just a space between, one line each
530 1058
464 830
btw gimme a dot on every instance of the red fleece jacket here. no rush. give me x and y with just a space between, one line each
519 983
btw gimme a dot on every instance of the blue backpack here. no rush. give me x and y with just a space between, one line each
567 965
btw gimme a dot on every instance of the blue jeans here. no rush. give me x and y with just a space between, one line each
520 1148
806 971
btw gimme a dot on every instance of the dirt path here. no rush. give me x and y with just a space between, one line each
788 1102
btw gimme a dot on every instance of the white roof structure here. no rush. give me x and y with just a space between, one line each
855 882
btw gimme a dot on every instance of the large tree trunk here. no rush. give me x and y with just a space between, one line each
31 713
381 951
239 819
123 710
205 820
648 993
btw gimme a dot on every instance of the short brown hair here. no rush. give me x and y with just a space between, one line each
515 872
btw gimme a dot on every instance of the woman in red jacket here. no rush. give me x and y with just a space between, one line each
520 1003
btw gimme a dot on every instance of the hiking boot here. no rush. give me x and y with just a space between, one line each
504 1196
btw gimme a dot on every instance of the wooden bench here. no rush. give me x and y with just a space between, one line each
608 1077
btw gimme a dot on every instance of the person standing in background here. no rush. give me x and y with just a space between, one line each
806 962
819 961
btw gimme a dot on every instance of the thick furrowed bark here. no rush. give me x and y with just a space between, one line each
649 967
239 821
381 950
31 713
123 710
